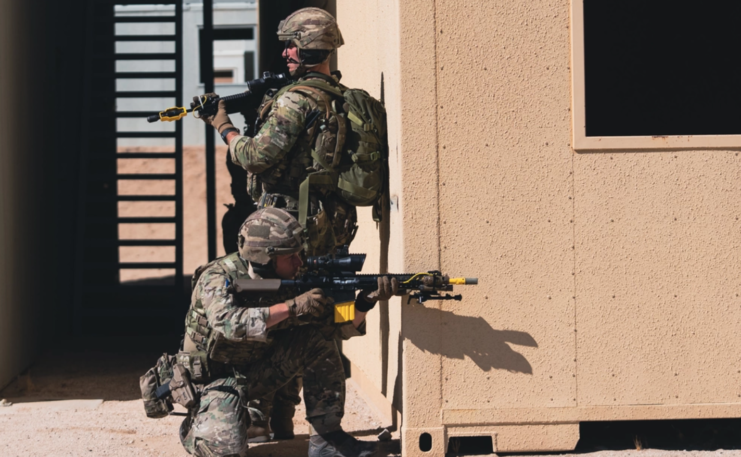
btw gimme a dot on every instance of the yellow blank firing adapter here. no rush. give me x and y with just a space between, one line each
173 114
344 312
463 281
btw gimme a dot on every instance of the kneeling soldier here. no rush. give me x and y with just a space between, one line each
239 349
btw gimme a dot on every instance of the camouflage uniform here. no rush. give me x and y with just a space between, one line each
261 360
278 159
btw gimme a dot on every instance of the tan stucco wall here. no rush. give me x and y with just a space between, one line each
370 56
609 282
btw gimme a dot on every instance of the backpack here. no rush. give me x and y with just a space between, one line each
350 150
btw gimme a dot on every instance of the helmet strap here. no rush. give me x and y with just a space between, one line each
303 66
266 271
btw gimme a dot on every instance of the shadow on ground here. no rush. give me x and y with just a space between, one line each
299 446
691 435
82 375
685 436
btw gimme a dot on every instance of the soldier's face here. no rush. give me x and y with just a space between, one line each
287 266
291 56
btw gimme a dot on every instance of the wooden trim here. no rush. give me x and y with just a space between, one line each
581 142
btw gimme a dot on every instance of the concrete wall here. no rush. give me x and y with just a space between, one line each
609 281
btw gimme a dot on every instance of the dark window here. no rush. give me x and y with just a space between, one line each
249 66
660 67
223 76
221 35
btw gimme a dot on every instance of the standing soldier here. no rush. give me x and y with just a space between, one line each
293 159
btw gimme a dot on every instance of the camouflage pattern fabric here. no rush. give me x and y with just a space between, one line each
225 315
238 324
267 233
219 425
280 152
279 156
311 28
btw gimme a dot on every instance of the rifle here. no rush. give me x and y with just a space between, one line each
256 89
338 277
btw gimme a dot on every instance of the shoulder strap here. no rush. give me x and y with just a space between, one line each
322 85
314 179
320 96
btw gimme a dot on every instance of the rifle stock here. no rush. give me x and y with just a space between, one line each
259 286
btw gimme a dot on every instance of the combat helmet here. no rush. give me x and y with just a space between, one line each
267 233
314 32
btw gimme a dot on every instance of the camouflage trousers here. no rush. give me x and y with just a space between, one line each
281 405
218 426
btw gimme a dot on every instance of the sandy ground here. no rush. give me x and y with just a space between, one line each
75 404
87 403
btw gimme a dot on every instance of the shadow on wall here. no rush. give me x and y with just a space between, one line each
474 337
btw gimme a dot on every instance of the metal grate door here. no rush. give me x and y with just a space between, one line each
104 304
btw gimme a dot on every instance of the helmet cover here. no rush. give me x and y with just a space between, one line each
267 233
311 28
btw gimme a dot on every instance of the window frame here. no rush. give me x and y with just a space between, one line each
582 142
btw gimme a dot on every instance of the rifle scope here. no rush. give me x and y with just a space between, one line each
347 262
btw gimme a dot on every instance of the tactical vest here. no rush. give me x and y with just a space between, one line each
329 220
213 343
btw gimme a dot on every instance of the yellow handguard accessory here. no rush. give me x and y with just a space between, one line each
173 114
344 312
463 281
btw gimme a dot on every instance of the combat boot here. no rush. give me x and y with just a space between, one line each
282 426
340 444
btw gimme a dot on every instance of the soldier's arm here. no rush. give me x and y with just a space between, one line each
349 331
278 313
276 137
234 322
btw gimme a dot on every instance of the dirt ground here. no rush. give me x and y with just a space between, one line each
88 403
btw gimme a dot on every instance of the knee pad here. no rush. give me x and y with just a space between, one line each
203 449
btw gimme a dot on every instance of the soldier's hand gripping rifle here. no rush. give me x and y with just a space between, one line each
338 277
256 89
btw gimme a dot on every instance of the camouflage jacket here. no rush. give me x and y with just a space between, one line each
233 329
224 313
280 152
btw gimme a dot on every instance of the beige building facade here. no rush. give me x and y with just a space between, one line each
609 268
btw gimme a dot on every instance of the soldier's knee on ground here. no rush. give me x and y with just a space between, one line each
202 449
219 426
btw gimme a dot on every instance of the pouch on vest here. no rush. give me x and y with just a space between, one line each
350 144
233 352
197 365
155 377
181 389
